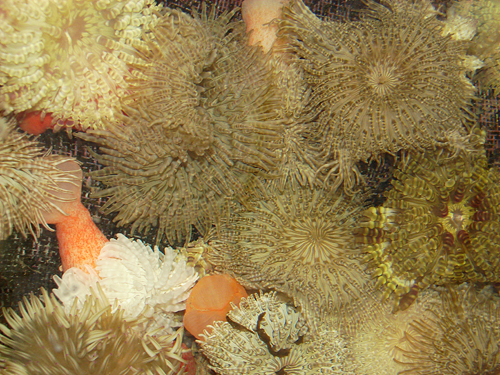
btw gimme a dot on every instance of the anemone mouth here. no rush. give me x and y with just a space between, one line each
458 219
313 240
72 33
383 78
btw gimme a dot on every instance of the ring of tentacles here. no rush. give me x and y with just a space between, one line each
440 224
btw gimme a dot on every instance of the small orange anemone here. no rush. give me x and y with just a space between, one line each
210 301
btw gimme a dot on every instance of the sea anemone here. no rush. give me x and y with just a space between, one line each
266 339
142 281
202 122
387 82
486 42
70 57
379 344
298 155
461 337
299 243
33 182
298 165
46 339
210 300
439 225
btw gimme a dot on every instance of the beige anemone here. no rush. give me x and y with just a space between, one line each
45 339
70 57
386 82
299 243
379 344
202 124
31 181
268 339
462 336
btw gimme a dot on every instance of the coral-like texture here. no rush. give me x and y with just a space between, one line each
263 319
31 182
142 281
387 82
281 323
202 123
485 14
70 57
378 346
461 337
440 224
93 340
297 242
298 156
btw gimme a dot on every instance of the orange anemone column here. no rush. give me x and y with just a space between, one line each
80 241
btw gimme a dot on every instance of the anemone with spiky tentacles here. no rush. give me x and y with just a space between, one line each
298 242
45 339
387 82
452 330
202 123
31 182
377 347
461 337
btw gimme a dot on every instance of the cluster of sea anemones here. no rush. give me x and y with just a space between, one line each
199 129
